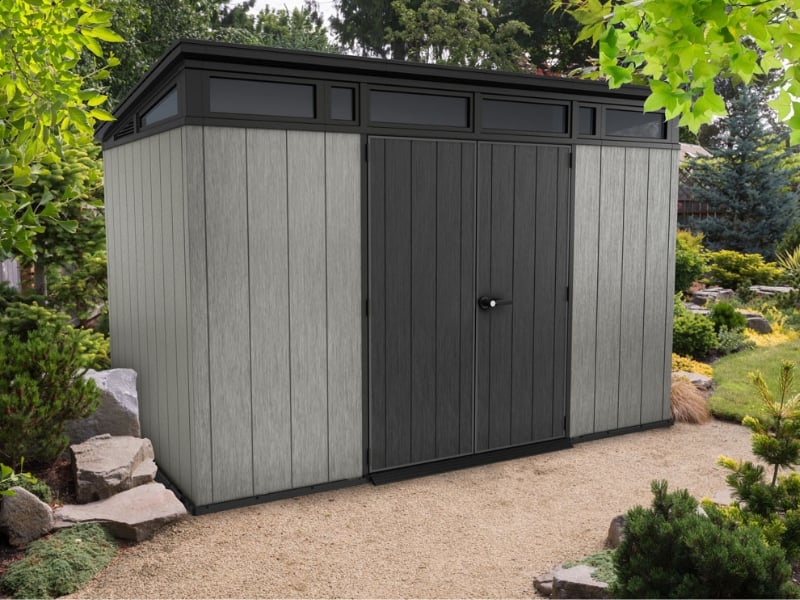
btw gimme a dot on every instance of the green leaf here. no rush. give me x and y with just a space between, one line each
104 34
68 226
92 45
101 115
96 100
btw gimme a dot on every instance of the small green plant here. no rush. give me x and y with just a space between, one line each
672 551
692 334
689 261
790 239
41 388
60 564
764 498
734 270
11 479
732 340
603 563
723 314
789 261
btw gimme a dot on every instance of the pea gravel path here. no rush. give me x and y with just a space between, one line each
482 532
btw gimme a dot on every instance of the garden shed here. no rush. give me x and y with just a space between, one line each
327 269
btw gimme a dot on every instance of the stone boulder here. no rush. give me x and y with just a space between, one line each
757 322
770 290
616 532
118 413
701 382
711 294
577 582
24 518
106 465
135 514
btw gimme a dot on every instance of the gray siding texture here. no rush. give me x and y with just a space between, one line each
235 292
623 272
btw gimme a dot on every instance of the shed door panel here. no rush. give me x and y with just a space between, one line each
422 307
522 264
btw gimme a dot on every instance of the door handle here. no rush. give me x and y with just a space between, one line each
486 303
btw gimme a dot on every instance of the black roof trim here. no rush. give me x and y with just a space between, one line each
301 60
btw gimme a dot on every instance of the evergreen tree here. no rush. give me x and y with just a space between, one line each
746 181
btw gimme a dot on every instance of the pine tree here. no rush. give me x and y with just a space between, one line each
746 181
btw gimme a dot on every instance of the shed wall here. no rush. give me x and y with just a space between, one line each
623 273
236 295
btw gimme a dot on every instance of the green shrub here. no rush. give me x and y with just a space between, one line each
20 319
10 479
689 261
60 564
732 340
789 261
723 314
735 270
692 334
769 501
673 551
41 388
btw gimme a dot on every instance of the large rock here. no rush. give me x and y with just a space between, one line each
770 290
118 413
701 382
105 465
24 518
757 322
616 532
577 582
711 294
132 515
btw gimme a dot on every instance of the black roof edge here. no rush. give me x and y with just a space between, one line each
184 50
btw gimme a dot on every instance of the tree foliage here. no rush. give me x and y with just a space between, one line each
47 103
458 33
747 182
681 47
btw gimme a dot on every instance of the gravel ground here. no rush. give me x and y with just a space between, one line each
483 532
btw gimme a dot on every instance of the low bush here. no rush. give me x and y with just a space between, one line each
10 479
693 335
60 564
723 314
789 261
41 388
790 239
689 261
684 363
672 551
20 319
687 404
732 340
735 270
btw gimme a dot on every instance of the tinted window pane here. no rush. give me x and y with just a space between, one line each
268 98
342 104
630 123
163 109
586 115
524 116
418 109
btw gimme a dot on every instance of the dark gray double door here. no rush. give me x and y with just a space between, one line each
468 274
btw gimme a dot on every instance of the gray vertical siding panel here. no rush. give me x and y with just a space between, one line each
657 295
666 412
146 305
468 306
182 458
633 269
228 312
609 282
307 301
157 317
134 292
583 294
561 348
111 185
343 224
269 310
203 482
169 394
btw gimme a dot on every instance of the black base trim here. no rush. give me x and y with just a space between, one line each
606 434
465 462
205 509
